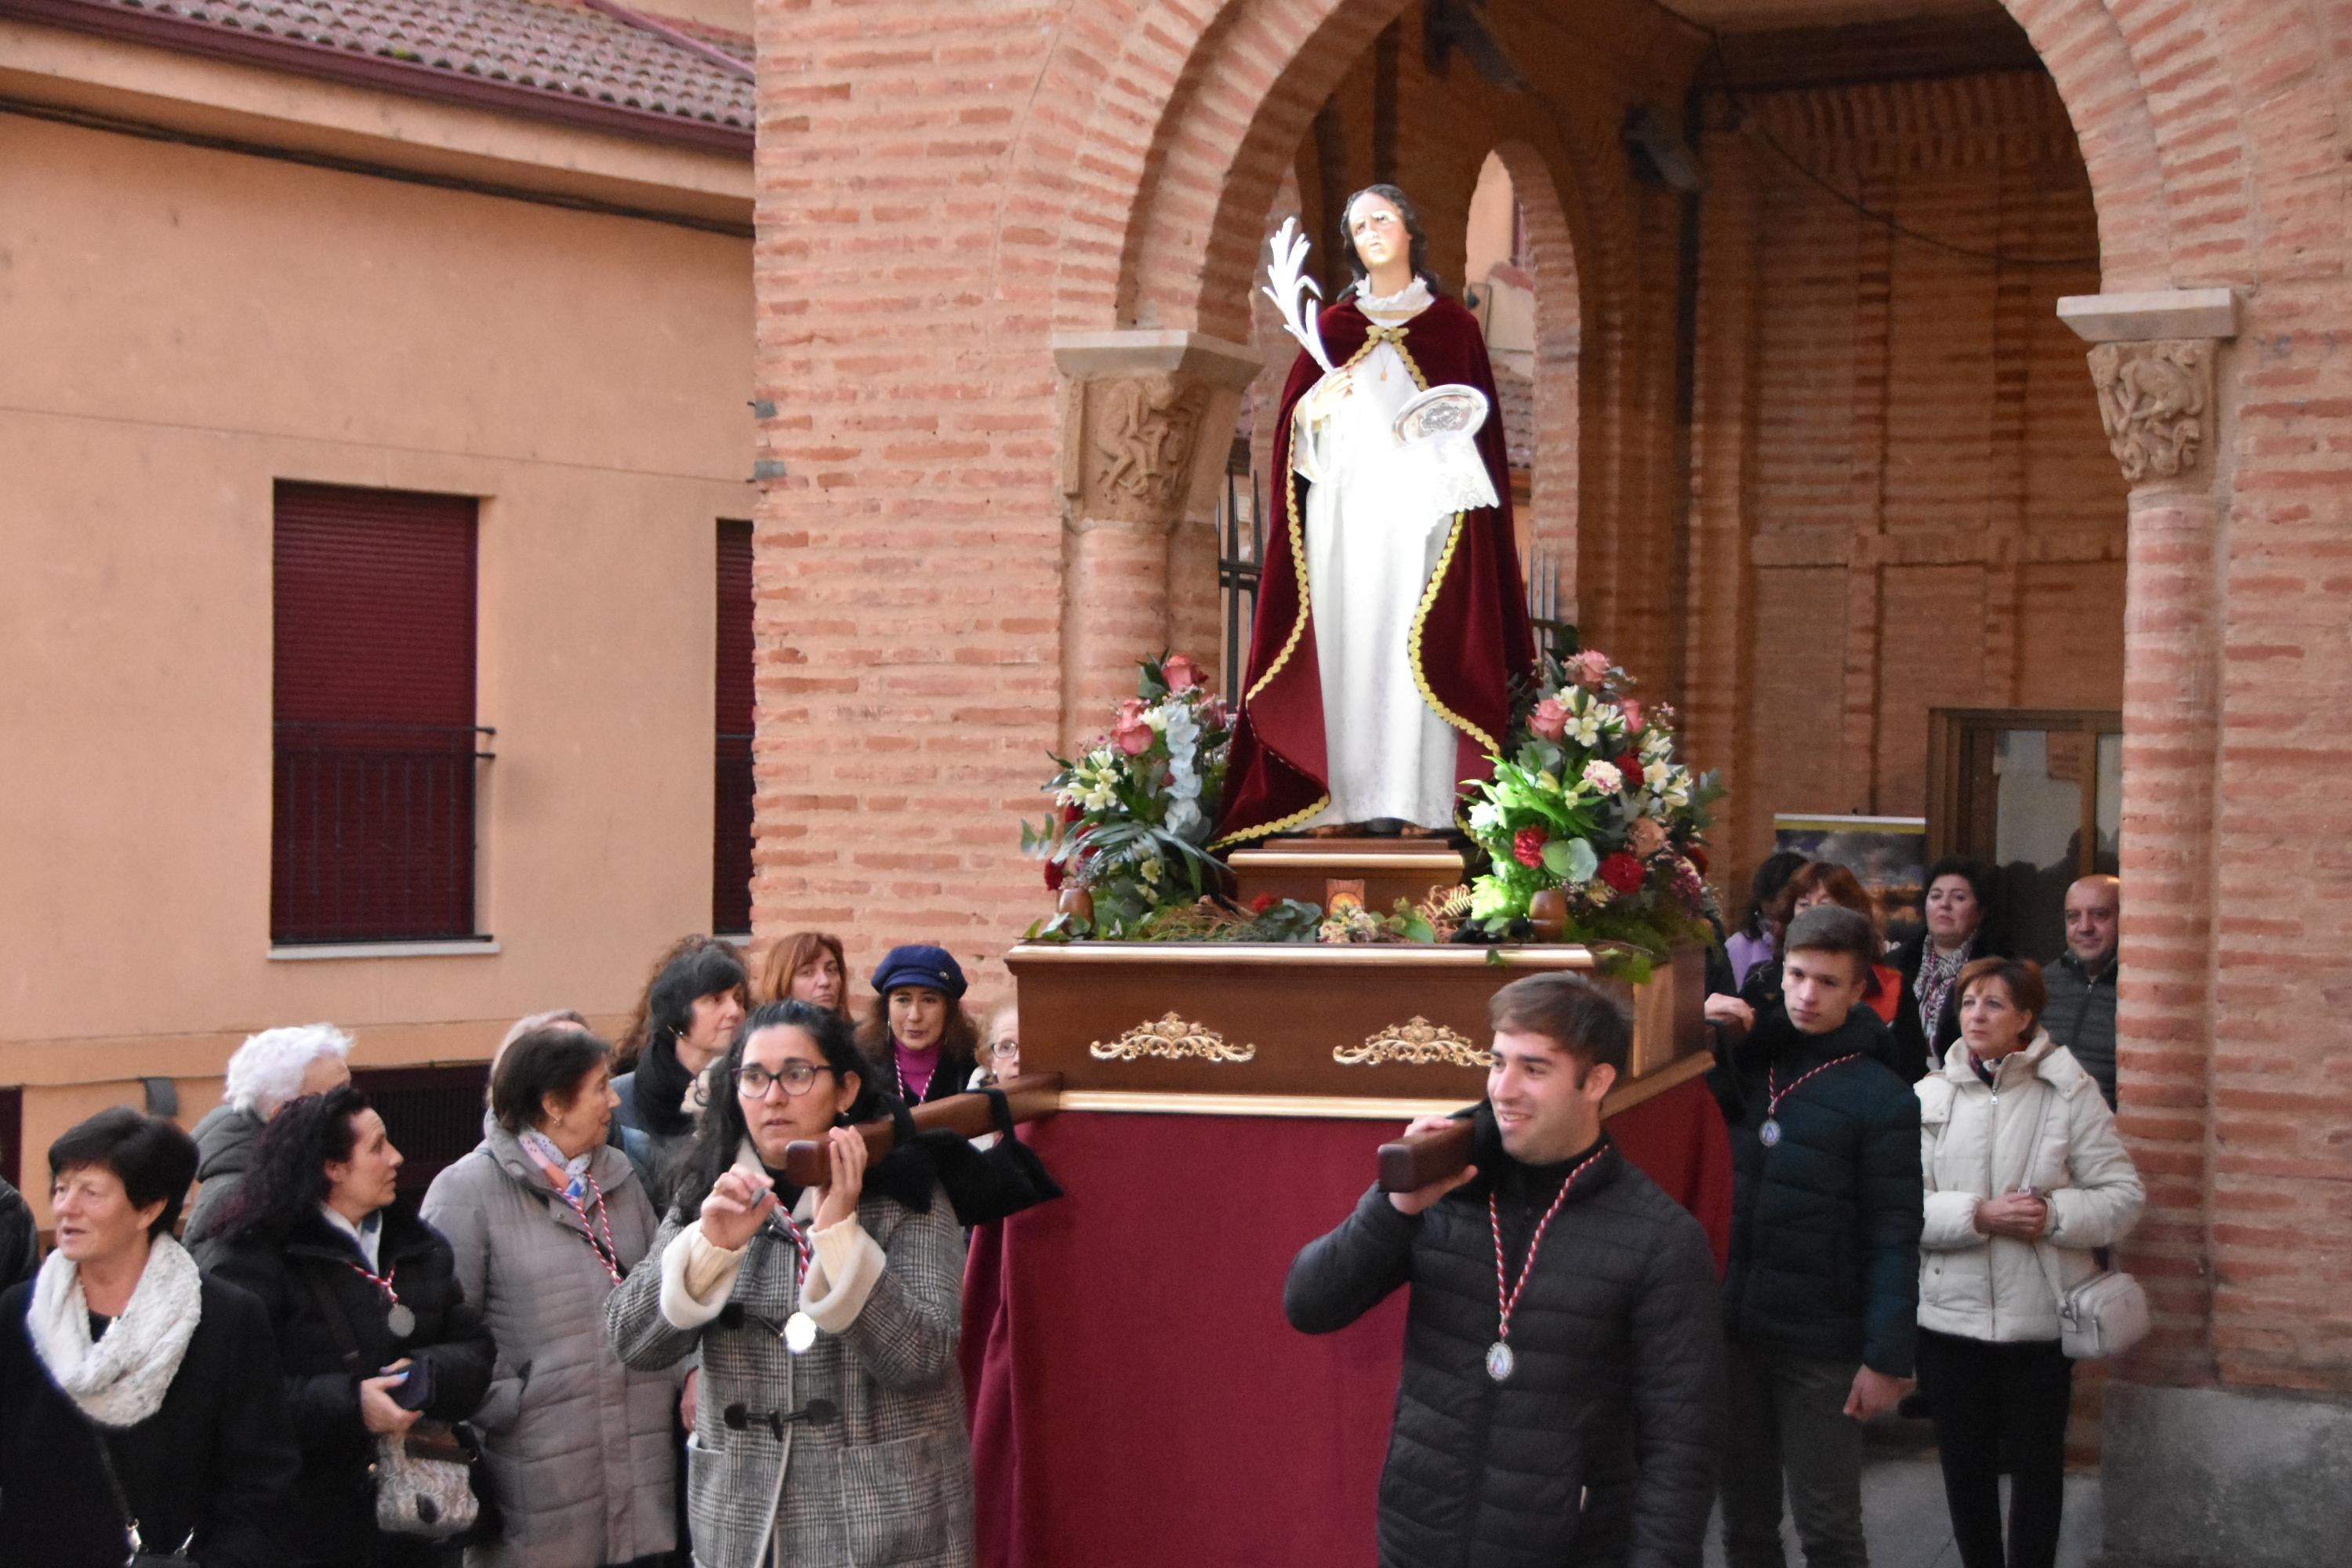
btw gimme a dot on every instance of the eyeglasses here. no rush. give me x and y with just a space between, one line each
753 1082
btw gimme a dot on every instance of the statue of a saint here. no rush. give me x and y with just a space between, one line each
1390 624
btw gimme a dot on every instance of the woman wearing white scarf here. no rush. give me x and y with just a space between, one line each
117 1357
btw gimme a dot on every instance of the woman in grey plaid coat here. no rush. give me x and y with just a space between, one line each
851 1452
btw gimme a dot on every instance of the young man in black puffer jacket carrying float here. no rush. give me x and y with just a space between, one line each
1561 1396
1820 1301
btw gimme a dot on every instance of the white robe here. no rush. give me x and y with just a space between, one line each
1369 560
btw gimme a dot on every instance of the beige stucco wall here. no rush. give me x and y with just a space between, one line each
178 329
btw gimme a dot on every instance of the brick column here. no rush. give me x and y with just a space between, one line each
2156 392
2195 1472
1147 422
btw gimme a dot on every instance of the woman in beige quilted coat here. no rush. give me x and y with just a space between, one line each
546 1220
2025 1178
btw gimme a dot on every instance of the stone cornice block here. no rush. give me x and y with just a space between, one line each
2159 314
1183 356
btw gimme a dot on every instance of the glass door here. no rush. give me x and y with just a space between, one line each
2035 794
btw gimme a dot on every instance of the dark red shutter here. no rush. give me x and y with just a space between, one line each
373 824
731 841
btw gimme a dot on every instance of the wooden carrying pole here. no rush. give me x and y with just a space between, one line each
1410 1164
1032 1097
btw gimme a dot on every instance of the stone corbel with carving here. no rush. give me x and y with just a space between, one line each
1145 420
2154 400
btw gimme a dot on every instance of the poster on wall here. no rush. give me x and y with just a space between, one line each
1888 855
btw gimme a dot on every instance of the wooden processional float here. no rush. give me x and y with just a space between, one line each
1378 1032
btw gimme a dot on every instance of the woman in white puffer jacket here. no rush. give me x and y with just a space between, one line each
2025 1177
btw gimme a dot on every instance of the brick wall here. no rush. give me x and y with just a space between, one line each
1901 496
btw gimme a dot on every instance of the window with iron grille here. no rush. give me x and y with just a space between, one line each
432 1114
730 815
377 755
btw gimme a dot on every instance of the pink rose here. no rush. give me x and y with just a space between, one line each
1648 836
1549 719
1632 716
1135 738
1182 672
1589 669
1130 711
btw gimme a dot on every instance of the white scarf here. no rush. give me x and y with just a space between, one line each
120 1380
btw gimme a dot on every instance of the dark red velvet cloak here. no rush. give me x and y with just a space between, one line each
1471 637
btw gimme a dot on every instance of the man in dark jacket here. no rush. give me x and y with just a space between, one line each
1821 1301
2082 980
1568 1412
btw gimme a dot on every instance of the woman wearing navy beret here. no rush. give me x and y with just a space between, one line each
922 1043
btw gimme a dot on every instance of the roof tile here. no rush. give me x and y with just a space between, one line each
543 44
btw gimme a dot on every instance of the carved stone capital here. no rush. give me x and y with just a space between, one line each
2156 400
1144 414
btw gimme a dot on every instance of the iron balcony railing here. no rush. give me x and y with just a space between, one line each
373 831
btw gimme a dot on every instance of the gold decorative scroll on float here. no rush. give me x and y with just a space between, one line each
1381 1031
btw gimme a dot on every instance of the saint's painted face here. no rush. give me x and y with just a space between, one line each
1377 229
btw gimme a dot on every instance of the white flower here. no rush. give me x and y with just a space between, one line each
1156 717
1150 870
1603 776
1585 728
1656 745
1486 816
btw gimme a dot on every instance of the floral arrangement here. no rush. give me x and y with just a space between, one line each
1591 801
1134 812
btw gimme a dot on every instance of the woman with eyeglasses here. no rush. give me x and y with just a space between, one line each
829 1426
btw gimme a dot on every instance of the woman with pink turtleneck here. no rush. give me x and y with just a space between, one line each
922 1043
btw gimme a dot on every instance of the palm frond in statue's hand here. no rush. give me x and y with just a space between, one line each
1287 282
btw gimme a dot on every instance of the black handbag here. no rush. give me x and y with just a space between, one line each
135 1545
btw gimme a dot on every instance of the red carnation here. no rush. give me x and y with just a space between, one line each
1528 846
1623 872
1262 903
1630 764
1053 876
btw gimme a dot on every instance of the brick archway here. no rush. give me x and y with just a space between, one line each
2215 150
1553 502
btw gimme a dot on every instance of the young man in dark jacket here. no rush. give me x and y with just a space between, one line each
1820 1301
1560 1401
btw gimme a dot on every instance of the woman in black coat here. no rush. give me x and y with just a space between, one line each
1959 930
117 1355
373 1331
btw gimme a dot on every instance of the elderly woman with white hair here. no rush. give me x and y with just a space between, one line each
269 1070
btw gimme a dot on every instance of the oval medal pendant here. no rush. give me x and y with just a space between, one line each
800 1332
400 1321
1499 1361
1770 1133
